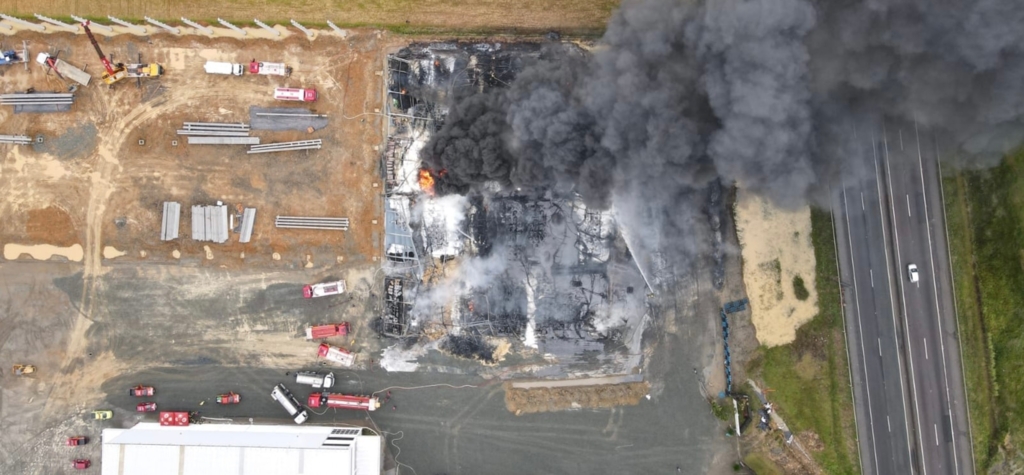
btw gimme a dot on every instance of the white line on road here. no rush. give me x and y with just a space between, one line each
936 426
903 297
925 348
901 139
860 327
862 201
888 423
935 293
871 273
908 206
879 347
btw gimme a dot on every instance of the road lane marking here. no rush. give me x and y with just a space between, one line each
935 293
903 297
925 348
879 347
936 426
901 139
908 206
862 201
888 422
860 327
871 272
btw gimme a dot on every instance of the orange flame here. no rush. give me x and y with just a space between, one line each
427 182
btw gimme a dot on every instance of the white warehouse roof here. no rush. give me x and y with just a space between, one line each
152 449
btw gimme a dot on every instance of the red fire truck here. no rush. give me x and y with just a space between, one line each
343 401
336 354
326 331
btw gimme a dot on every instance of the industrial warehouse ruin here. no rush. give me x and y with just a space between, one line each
645 236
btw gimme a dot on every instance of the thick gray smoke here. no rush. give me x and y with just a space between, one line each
764 93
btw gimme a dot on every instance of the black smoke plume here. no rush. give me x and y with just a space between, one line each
763 93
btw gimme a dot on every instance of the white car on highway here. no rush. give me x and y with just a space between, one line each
912 272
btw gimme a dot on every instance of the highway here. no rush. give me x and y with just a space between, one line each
923 428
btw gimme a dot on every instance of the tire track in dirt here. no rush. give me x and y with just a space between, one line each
102 187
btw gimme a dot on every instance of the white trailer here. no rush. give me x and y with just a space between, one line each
64 69
270 69
215 67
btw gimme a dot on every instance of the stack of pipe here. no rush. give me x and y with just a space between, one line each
307 222
15 139
37 99
216 133
286 146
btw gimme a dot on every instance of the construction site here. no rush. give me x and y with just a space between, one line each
178 203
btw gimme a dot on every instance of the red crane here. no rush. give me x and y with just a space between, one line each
114 73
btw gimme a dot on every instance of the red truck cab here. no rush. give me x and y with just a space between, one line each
82 464
77 440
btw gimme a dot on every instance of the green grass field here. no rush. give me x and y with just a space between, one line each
761 465
442 17
985 213
811 375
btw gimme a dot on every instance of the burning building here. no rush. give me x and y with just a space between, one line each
540 270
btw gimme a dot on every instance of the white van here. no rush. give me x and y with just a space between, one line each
315 379
214 67
288 402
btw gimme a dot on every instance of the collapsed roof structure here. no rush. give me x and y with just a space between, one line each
542 271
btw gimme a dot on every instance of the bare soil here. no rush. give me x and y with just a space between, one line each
776 246
92 183
524 401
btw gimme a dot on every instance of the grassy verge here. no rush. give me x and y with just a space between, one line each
810 376
761 464
985 214
488 17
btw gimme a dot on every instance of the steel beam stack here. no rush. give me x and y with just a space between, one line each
210 223
172 216
216 133
306 222
248 220
223 140
37 99
286 146
16 139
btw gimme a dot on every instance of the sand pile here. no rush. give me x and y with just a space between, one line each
778 267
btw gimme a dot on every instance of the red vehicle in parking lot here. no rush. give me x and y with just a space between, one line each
146 407
82 464
141 391
77 440
229 398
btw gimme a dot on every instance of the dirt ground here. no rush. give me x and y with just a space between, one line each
776 247
92 183
524 401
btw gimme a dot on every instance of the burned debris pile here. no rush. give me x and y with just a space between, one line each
468 346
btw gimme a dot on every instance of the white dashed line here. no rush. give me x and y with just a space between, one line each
925 348
908 206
